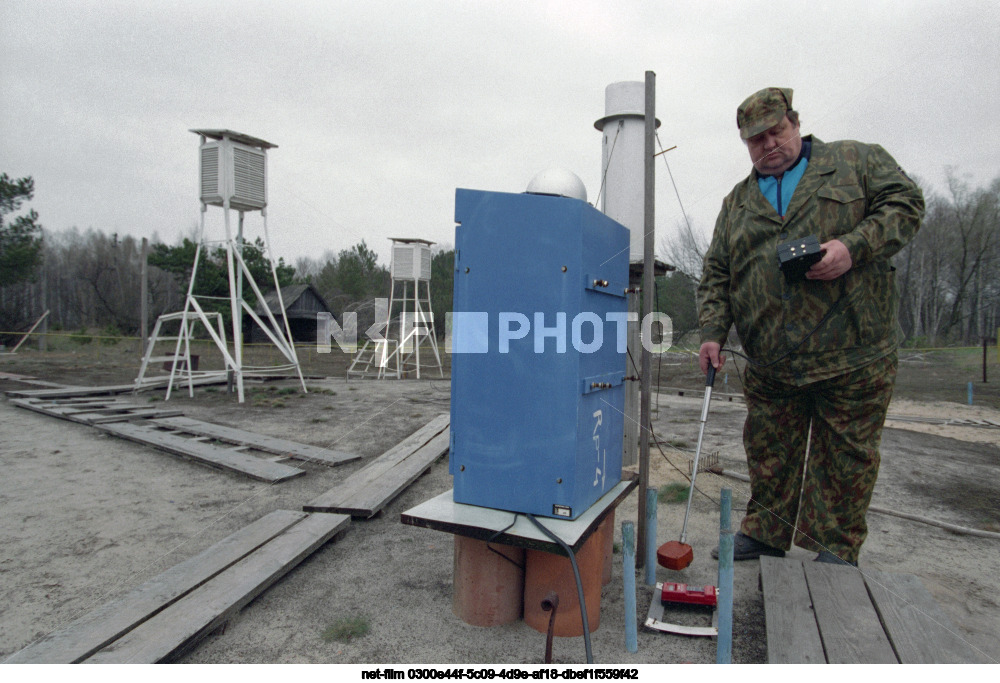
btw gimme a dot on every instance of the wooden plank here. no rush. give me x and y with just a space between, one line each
376 495
260 442
400 451
82 401
848 623
93 412
43 408
132 413
90 633
74 391
335 498
223 458
179 626
792 634
366 499
919 630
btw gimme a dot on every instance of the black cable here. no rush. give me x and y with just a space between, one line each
579 585
496 536
657 444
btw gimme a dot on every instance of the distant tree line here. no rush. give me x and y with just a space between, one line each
91 280
949 276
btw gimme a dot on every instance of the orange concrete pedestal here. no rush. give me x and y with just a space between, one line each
607 531
546 572
488 590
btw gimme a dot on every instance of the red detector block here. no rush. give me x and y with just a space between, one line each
681 593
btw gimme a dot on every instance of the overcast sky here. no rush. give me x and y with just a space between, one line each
381 109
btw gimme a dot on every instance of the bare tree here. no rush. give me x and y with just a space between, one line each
949 275
685 249
972 221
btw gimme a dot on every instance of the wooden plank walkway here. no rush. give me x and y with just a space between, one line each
792 632
74 391
818 613
93 411
177 628
107 623
270 444
231 459
168 615
367 491
164 429
920 631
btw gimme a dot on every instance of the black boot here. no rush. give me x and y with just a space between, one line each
829 558
746 548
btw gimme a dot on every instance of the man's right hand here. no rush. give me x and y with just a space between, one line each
709 353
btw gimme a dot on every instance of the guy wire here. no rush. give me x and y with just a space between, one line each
676 193
611 153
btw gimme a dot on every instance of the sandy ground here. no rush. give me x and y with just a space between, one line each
87 517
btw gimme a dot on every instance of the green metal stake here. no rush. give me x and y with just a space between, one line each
628 558
724 645
651 536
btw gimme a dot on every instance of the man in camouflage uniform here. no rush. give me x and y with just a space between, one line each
822 349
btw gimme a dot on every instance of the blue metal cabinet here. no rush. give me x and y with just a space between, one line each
538 344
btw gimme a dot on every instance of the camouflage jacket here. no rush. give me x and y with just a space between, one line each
850 191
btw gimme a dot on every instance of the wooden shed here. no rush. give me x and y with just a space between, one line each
302 303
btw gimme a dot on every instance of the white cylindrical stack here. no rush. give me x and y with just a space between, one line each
622 168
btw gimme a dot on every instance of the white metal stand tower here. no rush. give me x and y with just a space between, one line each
233 176
409 322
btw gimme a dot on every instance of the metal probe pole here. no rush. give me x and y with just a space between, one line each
709 381
647 309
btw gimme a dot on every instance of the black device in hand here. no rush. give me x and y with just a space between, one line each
798 256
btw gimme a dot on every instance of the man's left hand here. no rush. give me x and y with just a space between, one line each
834 263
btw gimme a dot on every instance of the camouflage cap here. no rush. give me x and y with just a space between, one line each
762 110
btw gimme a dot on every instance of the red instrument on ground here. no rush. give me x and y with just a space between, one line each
682 593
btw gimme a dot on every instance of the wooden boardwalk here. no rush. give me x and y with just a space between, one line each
822 613
232 459
66 391
92 411
260 442
168 614
367 491
168 430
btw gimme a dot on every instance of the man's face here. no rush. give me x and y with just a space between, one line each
775 150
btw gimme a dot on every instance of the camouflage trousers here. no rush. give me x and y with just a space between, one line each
819 504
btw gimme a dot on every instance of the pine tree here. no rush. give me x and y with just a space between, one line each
20 239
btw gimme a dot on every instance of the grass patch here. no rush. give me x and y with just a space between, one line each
675 492
346 629
81 337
